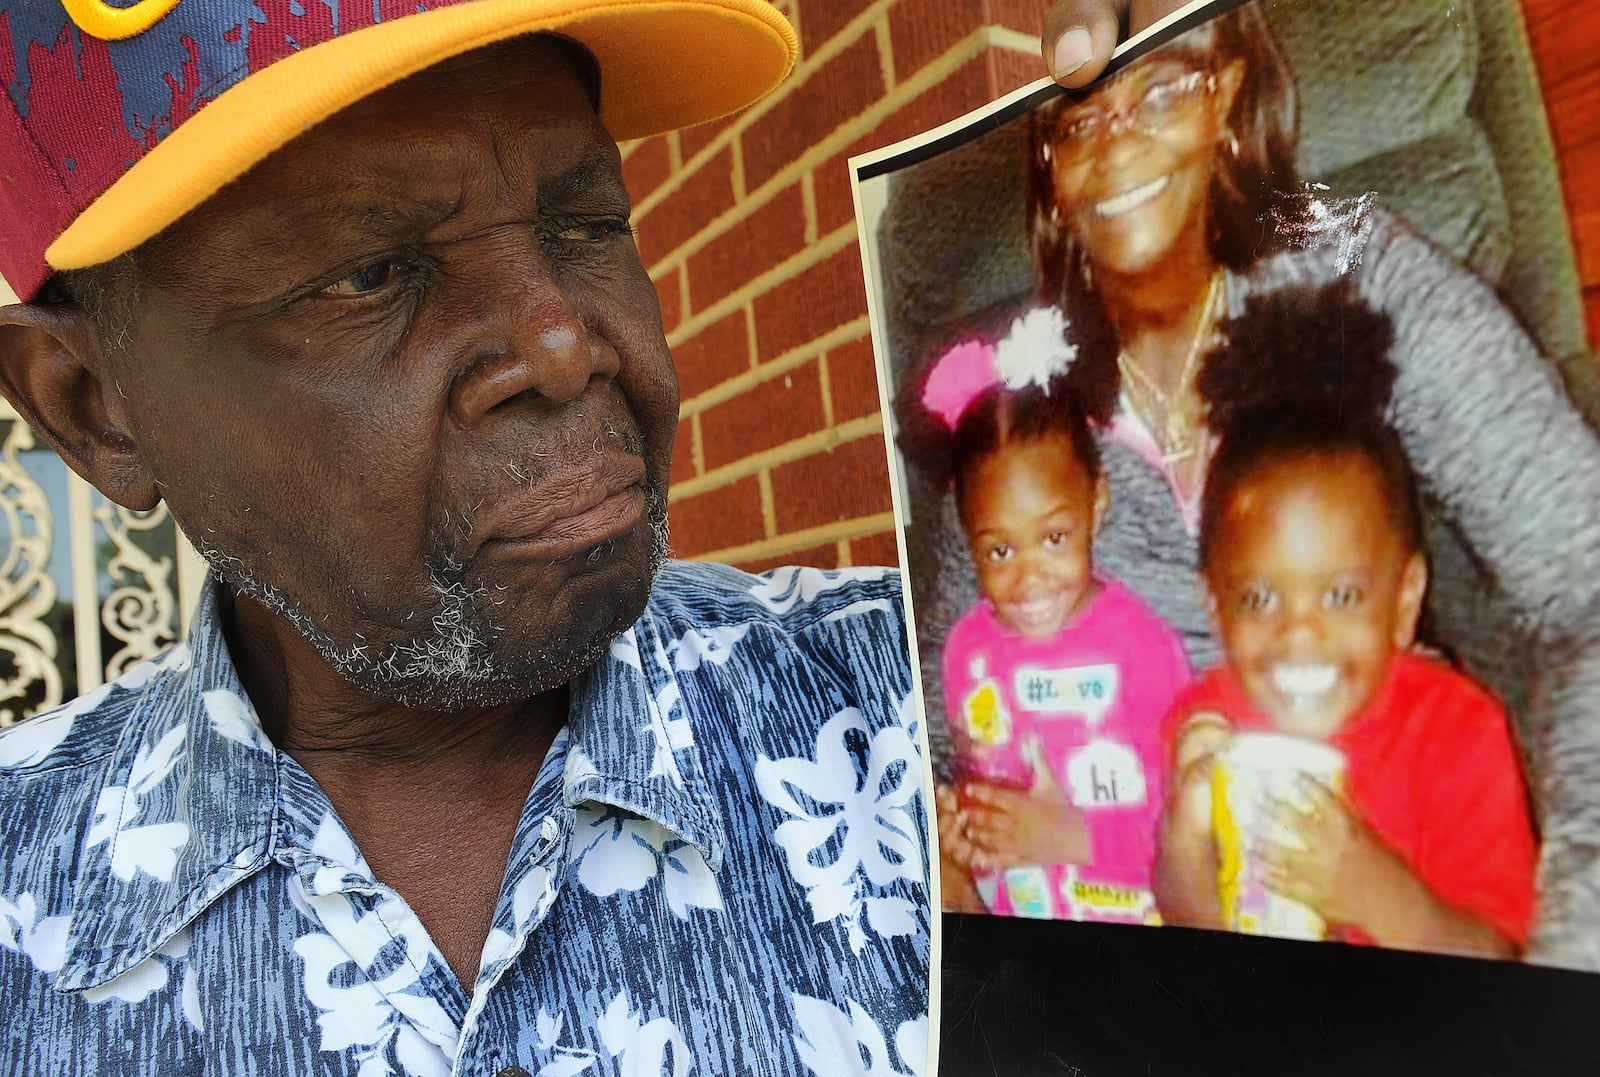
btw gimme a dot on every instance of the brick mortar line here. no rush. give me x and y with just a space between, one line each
1004 37
825 385
931 73
880 30
820 251
790 360
697 446
769 506
787 453
842 531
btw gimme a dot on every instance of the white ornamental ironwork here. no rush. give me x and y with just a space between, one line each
138 612
27 593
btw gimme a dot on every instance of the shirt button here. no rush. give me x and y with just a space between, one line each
513 1071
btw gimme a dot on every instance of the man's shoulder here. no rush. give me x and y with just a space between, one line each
78 733
791 641
792 598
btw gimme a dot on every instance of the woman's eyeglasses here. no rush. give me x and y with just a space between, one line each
1080 129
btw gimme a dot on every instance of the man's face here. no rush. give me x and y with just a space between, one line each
405 383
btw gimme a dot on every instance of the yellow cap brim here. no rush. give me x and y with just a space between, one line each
663 65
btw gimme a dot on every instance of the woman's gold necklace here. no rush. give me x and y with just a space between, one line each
1174 419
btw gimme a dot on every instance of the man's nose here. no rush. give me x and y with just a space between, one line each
528 337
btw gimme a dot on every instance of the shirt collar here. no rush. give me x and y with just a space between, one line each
632 741
189 802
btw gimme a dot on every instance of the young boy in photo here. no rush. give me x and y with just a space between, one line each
1312 551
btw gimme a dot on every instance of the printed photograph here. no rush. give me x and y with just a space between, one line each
1243 411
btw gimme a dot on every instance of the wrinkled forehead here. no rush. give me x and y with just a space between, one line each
513 125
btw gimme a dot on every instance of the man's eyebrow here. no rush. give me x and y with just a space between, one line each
596 171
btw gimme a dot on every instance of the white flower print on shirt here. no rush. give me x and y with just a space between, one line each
232 717
29 743
641 1047
150 976
530 899
357 1017
785 588
828 1036
362 972
712 646
664 718
152 849
24 929
618 851
563 1060
853 832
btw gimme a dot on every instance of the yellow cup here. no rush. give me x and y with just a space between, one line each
1254 769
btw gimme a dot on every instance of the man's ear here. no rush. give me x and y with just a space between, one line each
56 373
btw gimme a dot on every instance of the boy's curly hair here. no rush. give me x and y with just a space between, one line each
1305 372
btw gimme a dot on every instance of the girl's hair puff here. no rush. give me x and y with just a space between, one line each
1071 403
1305 373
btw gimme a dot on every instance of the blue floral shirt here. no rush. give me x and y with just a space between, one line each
722 868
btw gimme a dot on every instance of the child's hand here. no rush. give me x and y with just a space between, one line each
1353 879
1189 810
1185 875
957 892
1330 859
1038 825
1203 734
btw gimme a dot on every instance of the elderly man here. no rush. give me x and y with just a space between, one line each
451 774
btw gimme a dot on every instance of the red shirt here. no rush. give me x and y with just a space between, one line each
1433 771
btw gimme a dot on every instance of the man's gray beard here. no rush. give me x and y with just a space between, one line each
451 662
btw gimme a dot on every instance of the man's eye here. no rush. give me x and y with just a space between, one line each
368 278
1342 598
598 230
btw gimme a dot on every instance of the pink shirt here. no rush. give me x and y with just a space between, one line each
1095 696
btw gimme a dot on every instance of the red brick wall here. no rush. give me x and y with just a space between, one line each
1566 45
748 229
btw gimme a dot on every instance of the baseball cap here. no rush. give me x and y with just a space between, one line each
116 121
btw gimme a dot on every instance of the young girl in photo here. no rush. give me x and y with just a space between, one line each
1312 552
1056 682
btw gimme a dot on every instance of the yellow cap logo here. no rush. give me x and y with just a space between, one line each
99 19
